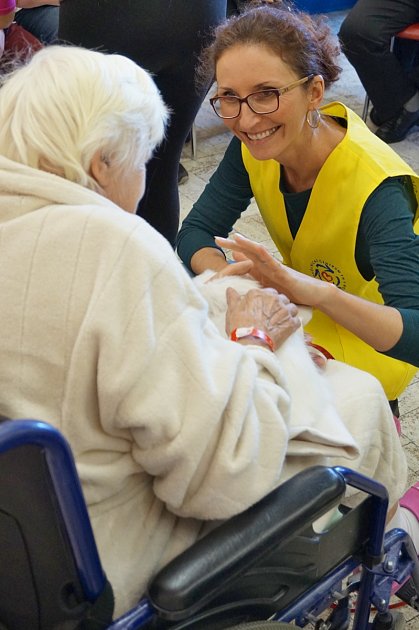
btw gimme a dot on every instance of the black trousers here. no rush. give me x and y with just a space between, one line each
164 37
365 35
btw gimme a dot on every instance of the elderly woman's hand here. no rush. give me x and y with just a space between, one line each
301 289
263 309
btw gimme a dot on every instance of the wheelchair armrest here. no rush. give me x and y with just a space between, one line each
200 573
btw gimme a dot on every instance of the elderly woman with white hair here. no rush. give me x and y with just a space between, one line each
105 336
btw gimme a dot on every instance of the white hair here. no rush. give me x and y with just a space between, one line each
68 103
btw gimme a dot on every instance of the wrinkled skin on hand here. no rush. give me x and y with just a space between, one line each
265 309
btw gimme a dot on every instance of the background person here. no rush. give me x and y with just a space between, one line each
7 12
39 18
365 34
165 38
16 43
338 202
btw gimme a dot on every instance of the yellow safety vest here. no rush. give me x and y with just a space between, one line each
324 246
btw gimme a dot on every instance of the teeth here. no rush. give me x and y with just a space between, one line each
262 134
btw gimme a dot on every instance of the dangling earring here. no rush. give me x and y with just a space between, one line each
313 118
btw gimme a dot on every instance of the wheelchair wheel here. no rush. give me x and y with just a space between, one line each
260 625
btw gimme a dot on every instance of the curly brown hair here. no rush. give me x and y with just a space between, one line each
304 42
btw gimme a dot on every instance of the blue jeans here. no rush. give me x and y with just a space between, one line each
42 22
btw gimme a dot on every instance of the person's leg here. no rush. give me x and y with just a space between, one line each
160 203
364 409
165 38
365 35
362 405
42 22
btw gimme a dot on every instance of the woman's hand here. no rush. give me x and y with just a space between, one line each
378 325
241 268
264 309
300 288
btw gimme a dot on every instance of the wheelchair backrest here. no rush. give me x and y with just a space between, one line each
50 573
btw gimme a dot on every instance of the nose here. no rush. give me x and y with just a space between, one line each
247 115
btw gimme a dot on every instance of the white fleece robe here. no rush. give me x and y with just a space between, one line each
103 334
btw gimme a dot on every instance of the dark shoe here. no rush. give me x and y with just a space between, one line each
183 175
397 128
375 118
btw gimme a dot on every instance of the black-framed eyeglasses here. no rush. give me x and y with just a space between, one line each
262 102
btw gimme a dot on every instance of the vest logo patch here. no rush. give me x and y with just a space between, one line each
329 273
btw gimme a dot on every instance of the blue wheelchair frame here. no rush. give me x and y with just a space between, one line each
387 558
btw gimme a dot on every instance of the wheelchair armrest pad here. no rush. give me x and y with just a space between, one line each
201 572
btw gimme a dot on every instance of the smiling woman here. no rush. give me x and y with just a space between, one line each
339 203
274 130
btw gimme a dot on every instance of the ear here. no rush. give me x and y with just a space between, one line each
100 169
316 91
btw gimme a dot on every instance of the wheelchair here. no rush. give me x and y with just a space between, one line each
265 568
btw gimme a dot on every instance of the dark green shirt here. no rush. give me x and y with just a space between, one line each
386 246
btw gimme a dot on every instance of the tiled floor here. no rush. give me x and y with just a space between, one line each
212 141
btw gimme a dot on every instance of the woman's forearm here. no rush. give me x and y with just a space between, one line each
208 258
378 325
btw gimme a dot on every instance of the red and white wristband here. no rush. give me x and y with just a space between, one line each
240 333
322 350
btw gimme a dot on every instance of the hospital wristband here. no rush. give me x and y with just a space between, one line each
240 333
